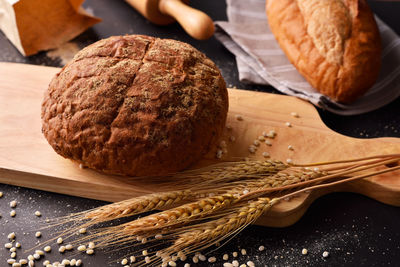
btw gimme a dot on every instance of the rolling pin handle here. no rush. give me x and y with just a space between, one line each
196 23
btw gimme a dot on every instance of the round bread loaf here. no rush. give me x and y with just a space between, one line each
135 105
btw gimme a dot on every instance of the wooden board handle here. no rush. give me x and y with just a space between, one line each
196 23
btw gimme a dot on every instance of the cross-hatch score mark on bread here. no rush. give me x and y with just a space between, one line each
334 44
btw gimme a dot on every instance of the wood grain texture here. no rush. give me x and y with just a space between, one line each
27 160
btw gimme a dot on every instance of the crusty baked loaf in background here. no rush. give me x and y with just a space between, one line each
334 44
135 105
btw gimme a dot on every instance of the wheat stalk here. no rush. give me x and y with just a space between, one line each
218 202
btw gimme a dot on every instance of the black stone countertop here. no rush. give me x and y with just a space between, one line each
354 229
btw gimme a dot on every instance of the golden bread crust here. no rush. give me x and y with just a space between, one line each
334 44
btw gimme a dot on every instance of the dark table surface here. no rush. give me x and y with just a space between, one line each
355 230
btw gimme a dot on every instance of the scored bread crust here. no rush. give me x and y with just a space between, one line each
334 44
135 105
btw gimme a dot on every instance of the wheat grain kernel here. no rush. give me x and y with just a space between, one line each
31 258
124 262
225 257
261 248
172 263
252 149
8 245
132 259
290 161
13 213
239 117
65 262
228 264
212 259
250 264
195 259
78 263
13 249
69 247
11 236
82 231
13 255
218 155
46 262
186 265
11 261
47 248
261 138
304 251
158 236
290 147
36 256
222 144
82 248
40 252
31 263
268 143
265 154
325 254
243 265
202 257
235 263
17 245
234 254
61 249
256 143
72 262
16 264
59 240
38 214
90 251
1 194
145 253
23 261
91 245
13 204
38 234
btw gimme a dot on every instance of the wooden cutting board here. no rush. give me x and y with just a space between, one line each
27 160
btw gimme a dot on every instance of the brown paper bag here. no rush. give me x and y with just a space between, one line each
36 25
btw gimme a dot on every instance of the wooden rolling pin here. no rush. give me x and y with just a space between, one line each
162 12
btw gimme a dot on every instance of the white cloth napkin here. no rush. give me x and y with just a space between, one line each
261 61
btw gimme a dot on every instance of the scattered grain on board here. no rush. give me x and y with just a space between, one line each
261 248
325 254
288 124
304 251
265 154
13 213
239 117
294 114
13 204
38 213
38 234
252 149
